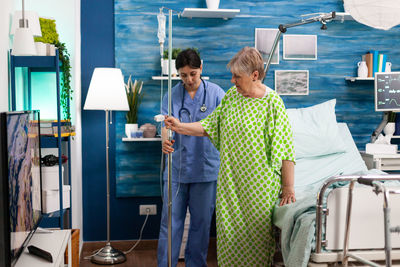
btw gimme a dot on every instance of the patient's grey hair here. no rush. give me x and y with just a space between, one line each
247 60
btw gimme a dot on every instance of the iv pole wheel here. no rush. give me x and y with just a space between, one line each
108 256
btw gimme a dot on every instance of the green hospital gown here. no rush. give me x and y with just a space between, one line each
253 136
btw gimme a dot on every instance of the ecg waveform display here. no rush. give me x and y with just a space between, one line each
387 91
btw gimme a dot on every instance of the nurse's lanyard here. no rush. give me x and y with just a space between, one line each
203 107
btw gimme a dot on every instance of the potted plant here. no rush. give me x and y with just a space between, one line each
134 96
50 36
164 61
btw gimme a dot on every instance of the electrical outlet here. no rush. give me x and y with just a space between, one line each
151 209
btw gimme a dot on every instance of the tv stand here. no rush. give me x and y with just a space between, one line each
55 243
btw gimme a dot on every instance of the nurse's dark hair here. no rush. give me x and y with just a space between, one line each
247 60
188 57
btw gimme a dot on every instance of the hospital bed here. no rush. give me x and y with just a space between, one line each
312 230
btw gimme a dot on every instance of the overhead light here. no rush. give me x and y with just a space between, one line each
23 43
31 21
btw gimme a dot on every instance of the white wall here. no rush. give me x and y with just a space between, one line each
67 16
7 8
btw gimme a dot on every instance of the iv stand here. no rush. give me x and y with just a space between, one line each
169 138
169 135
323 18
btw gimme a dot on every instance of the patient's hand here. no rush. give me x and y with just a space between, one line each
287 196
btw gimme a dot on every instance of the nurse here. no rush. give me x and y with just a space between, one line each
195 163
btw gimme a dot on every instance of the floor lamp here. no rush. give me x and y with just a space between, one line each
107 92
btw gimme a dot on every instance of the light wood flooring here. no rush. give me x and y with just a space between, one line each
144 255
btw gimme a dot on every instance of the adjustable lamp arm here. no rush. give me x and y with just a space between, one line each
323 18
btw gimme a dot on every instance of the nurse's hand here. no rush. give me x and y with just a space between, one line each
172 123
167 146
287 196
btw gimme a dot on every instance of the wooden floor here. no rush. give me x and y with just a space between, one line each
144 255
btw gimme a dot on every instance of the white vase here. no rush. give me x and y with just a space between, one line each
40 48
362 71
389 128
130 128
212 4
388 67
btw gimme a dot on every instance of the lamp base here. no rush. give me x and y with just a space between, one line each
108 256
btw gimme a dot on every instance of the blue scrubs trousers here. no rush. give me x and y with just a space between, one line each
200 198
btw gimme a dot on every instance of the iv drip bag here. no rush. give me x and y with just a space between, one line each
161 27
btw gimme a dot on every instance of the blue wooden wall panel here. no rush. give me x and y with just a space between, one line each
97 39
339 49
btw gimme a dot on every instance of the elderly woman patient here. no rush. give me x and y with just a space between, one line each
251 130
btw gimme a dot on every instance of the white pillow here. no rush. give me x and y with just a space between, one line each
315 130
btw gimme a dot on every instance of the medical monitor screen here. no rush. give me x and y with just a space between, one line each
387 91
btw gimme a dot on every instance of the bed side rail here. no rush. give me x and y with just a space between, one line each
320 212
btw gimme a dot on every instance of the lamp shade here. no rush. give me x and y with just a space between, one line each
33 22
106 90
23 44
383 14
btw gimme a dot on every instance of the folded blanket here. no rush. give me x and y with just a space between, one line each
297 224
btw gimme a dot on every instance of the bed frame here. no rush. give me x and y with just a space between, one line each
357 219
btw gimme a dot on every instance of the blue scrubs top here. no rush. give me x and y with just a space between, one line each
195 158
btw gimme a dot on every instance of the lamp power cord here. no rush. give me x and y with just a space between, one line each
140 235
95 252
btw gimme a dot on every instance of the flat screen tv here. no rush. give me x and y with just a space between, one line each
20 176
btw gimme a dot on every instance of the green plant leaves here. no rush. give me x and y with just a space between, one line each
50 36
49 32
176 51
134 96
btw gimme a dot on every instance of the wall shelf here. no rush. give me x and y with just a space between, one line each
165 78
127 139
210 13
353 79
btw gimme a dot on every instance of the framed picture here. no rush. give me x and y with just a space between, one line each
291 82
299 47
264 39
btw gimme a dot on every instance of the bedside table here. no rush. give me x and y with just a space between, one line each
383 162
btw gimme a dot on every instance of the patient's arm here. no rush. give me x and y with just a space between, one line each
287 196
194 128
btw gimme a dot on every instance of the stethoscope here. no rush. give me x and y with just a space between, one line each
203 107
